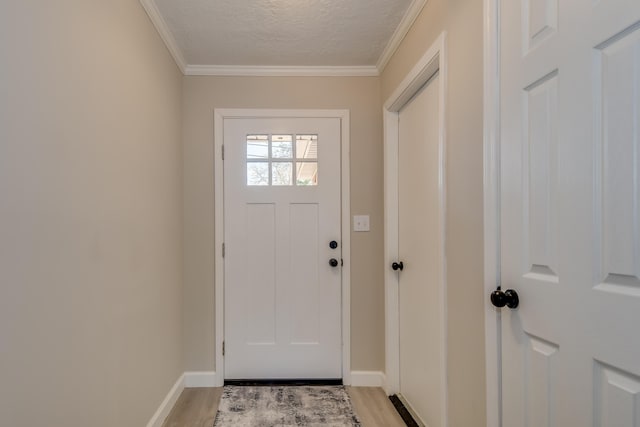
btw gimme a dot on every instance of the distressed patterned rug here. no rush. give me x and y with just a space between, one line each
271 406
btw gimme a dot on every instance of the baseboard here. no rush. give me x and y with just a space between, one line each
167 404
368 379
200 379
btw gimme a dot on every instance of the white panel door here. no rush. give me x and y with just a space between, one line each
282 210
420 299
570 141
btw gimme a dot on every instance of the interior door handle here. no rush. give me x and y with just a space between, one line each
508 298
333 262
398 266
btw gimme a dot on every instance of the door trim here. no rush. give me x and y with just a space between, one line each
220 114
491 147
434 60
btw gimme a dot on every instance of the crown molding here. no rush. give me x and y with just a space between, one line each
161 26
399 34
281 71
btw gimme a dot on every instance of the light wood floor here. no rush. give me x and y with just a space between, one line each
197 407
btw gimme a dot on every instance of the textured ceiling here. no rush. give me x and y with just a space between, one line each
282 32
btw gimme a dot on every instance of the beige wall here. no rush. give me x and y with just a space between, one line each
361 95
462 20
90 215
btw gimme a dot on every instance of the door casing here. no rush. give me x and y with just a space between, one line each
434 60
491 190
220 114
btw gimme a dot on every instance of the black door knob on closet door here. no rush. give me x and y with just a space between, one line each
333 262
508 298
333 244
398 266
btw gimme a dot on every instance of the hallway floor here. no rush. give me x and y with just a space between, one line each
197 407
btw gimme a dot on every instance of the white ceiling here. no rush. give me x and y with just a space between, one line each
210 35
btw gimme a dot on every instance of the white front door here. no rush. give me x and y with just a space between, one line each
570 143
420 250
281 215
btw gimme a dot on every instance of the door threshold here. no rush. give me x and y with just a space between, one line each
285 382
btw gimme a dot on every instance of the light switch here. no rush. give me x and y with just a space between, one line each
361 223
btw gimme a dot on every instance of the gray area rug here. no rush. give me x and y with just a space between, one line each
270 406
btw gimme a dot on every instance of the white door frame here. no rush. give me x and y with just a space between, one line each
492 320
434 60
220 114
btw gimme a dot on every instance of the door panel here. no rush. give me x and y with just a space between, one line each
570 120
421 329
305 244
618 108
260 268
282 208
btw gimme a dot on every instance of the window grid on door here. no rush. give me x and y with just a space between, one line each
275 160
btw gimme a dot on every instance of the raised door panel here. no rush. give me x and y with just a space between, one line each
540 22
617 397
618 147
541 366
540 178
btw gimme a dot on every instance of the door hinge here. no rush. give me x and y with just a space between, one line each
223 152
223 348
224 250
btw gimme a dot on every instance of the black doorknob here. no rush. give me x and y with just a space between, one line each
333 262
333 244
398 266
508 298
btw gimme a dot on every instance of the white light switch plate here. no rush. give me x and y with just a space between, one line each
361 223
